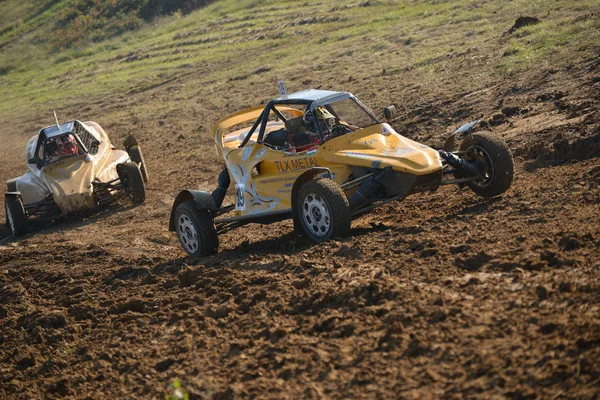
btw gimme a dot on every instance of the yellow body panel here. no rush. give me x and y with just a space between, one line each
379 146
264 177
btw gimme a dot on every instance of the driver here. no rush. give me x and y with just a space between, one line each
308 138
325 119
67 146
298 135
301 133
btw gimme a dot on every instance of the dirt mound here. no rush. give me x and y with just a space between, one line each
521 22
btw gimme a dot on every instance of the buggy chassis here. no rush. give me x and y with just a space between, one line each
71 168
46 209
205 201
356 164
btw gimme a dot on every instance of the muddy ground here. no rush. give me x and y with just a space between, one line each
442 295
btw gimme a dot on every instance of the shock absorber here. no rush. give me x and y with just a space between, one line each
371 187
459 164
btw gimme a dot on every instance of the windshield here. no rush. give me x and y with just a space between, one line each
348 112
340 117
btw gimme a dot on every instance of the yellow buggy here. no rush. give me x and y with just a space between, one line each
323 158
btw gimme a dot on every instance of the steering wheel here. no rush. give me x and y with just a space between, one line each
339 130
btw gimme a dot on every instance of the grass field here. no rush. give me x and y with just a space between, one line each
235 44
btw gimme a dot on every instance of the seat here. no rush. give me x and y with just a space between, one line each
295 125
278 139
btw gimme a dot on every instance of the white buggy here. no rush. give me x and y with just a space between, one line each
73 167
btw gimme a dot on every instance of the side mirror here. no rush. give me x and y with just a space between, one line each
32 160
389 112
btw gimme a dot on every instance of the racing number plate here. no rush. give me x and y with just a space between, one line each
240 199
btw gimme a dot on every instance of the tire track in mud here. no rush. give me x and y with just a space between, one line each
470 296
444 294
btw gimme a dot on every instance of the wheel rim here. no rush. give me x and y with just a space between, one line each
315 215
188 235
482 160
11 222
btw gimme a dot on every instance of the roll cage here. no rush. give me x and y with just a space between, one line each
86 142
310 105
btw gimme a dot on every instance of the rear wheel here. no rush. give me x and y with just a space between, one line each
490 154
196 230
132 181
322 210
135 153
15 215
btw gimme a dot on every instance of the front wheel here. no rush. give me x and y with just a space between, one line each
135 153
196 230
132 181
490 154
16 216
322 210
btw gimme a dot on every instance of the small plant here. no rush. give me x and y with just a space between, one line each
177 391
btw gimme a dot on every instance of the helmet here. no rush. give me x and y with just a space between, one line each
67 146
325 118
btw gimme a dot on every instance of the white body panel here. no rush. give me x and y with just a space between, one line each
70 180
31 187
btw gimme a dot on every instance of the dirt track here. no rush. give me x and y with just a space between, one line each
443 295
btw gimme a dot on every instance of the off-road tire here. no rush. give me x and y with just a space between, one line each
135 153
322 210
498 160
16 218
132 180
196 230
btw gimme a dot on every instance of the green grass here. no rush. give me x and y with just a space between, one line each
548 40
18 18
218 47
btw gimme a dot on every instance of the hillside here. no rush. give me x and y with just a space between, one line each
442 295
